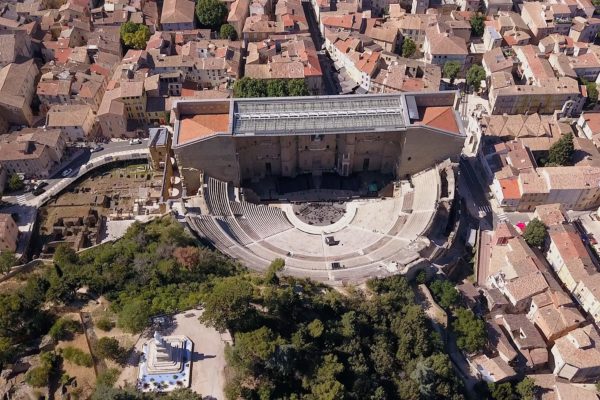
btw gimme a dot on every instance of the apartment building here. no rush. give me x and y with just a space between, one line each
439 48
552 94
17 88
9 233
292 57
577 355
77 122
177 15
33 152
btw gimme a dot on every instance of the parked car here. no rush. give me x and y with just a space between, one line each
96 149
38 191
67 172
330 240
135 141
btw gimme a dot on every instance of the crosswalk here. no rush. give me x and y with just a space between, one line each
486 208
22 199
502 217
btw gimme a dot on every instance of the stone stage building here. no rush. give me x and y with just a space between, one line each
234 140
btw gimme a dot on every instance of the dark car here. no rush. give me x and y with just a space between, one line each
330 240
38 191
41 185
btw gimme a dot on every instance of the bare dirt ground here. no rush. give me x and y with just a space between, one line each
208 368
85 377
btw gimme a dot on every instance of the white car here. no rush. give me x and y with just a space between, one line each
67 172
135 141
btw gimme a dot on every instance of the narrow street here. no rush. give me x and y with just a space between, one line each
329 82
477 202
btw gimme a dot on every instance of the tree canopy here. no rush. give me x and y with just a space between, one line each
227 31
15 183
475 75
470 331
312 342
211 13
535 233
527 389
477 24
451 70
227 305
561 152
249 87
444 292
592 93
7 261
134 36
408 47
294 338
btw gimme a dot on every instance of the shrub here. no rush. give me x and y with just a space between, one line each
64 328
40 375
77 357
105 324
109 348
108 377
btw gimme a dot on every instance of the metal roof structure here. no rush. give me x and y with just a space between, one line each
318 115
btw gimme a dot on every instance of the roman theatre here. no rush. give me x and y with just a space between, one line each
343 188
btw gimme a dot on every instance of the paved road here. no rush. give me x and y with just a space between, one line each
477 194
76 164
324 60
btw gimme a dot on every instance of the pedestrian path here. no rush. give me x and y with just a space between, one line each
22 199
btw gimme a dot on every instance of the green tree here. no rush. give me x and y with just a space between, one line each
470 330
561 152
325 385
408 47
108 347
316 328
134 36
592 94
444 292
527 389
424 376
64 328
276 266
477 24
297 87
135 315
451 70
535 233
227 31
211 13
15 183
7 261
253 348
501 391
40 376
227 305
475 75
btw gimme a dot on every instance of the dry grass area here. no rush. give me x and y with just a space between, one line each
19 280
85 376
